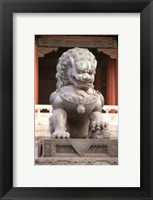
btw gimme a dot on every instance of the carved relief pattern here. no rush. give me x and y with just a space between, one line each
77 161
78 99
80 148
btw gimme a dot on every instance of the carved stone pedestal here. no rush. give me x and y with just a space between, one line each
79 151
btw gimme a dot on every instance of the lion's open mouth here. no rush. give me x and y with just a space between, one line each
81 84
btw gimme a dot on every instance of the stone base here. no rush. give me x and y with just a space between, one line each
79 151
76 161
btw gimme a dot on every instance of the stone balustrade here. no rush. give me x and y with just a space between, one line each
42 113
106 108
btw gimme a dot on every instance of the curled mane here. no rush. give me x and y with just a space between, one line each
68 60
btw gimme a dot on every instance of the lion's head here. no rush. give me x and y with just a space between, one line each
77 67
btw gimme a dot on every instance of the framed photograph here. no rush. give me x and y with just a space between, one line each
68 65
92 139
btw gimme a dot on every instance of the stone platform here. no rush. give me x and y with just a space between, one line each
78 152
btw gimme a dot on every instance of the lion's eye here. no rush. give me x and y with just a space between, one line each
90 72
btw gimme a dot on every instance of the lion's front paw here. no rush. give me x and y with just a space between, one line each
94 125
60 135
99 129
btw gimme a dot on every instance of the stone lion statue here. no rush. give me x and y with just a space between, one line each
77 106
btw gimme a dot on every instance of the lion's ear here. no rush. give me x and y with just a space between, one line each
72 61
69 72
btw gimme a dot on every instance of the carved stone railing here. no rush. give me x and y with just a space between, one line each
42 113
106 108
41 107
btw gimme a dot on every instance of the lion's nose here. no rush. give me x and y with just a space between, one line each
86 78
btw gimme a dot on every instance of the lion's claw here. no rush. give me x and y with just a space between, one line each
99 129
60 135
96 125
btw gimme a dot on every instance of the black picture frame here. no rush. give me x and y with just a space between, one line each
7 8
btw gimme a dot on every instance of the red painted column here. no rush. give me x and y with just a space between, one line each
116 76
36 75
111 83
